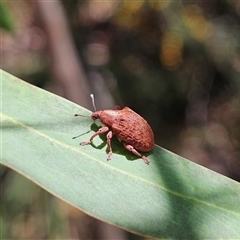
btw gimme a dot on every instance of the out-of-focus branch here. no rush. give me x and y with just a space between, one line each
66 68
69 78
198 98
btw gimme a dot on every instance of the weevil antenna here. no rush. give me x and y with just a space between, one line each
94 106
79 115
93 102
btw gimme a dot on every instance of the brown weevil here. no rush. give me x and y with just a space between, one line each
128 126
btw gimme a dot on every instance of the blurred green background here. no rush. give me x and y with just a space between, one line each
177 63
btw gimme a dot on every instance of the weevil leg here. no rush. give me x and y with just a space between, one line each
109 137
134 151
100 131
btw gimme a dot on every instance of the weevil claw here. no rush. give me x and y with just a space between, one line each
109 156
145 159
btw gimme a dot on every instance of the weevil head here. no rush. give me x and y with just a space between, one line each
106 116
96 115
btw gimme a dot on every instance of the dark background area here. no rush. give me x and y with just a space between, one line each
176 63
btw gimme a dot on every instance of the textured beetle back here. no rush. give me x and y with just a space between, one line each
133 129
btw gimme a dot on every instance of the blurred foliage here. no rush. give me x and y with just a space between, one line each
6 18
22 49
177 63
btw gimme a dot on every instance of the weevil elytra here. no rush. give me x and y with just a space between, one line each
128 126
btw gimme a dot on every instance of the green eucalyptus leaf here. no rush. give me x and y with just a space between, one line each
170 198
